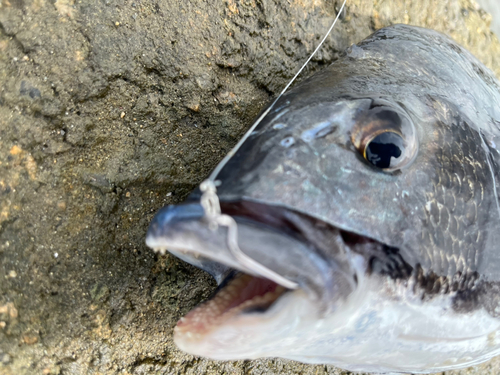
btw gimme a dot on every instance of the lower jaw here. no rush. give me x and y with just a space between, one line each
254 335
243 294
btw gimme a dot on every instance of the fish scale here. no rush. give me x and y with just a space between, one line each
466 236
394 255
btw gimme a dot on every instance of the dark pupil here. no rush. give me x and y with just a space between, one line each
384 147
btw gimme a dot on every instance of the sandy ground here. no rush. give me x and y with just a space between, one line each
111 109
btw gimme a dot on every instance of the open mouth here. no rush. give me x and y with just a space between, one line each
240 293
316 255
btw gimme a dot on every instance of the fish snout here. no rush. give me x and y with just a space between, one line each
168 217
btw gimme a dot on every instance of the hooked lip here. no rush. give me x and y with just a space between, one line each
176 227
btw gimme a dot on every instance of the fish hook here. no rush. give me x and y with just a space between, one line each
210 203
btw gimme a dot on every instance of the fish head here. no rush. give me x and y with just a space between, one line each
358 185
307 151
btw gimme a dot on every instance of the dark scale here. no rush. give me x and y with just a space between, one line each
455 216
455 212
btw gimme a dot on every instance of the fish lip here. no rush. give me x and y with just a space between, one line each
169 214
172 216
171 219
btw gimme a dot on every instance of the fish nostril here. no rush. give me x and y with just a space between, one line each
287 142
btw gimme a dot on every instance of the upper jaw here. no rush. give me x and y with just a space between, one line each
289 244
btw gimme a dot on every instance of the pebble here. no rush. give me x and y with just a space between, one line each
4 358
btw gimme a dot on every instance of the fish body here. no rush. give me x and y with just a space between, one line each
373 185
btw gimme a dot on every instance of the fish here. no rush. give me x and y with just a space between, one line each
358 224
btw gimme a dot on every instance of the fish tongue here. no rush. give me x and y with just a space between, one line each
242 293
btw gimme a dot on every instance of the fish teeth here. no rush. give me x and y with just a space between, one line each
161 250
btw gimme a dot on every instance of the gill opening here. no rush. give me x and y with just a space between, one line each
210 201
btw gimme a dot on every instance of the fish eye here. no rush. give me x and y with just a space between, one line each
384 150
385 136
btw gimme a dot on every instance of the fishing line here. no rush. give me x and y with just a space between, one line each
210 201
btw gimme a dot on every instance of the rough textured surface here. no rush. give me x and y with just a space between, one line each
108 111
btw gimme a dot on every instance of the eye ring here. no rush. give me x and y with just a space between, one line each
385 136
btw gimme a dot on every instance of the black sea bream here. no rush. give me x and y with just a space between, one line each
373 187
